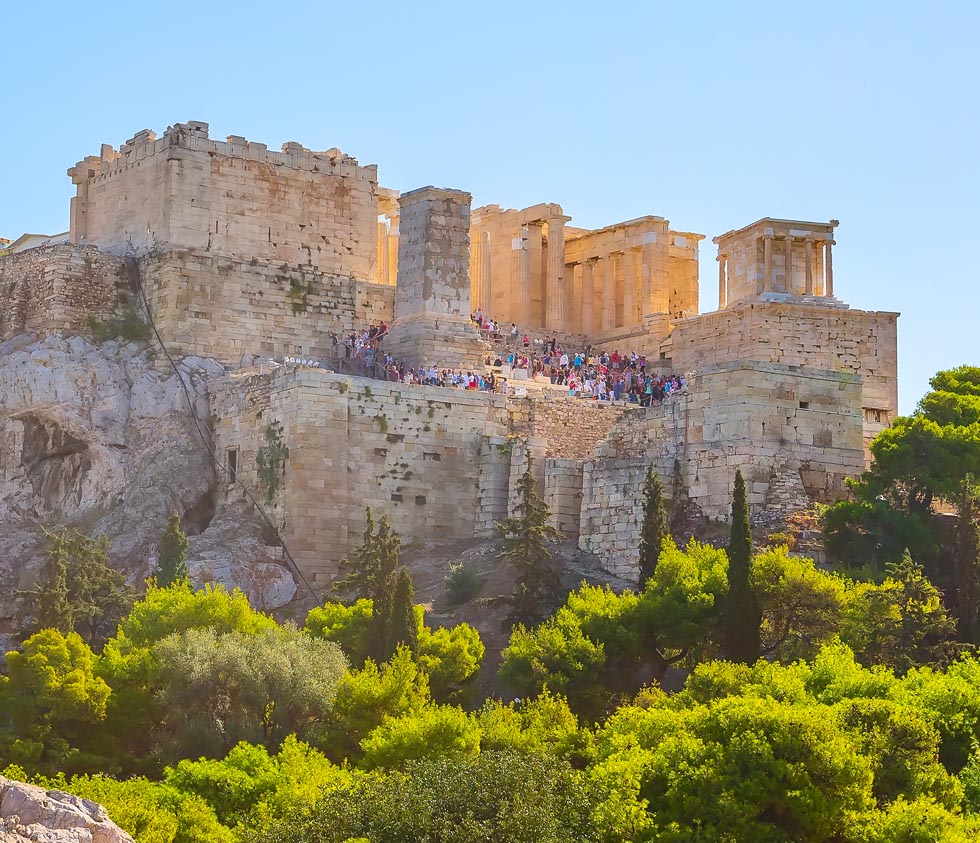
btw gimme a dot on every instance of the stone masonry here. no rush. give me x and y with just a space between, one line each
245 253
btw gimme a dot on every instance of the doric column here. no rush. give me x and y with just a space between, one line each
629 289
393 234
588 296
522 278
766 264
788 280
555 277
383 265
828 269
808 243
608 294
722 282
486 291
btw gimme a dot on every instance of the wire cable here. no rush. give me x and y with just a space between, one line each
137 275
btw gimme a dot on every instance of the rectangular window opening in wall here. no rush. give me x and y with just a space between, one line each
875 415
231 463
804 405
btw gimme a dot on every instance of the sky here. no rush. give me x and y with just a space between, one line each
712 115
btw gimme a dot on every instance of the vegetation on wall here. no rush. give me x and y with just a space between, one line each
271 461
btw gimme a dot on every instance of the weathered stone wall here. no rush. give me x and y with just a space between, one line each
55 289
854 344
297 206
224 307
572 427
796 436
419 454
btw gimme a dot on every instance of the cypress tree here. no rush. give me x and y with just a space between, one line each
387 547
654 529
402 627
966 562
171 555
524 544
743 615
361 569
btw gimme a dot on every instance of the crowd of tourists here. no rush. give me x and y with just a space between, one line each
585 373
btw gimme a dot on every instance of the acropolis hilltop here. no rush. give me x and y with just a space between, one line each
257 258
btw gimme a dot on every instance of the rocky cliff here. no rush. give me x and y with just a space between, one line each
105 438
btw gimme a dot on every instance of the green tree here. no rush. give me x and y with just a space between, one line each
802 606
77 590
171 554
54 704
966 561
525 537
743 616
433 731
901 623
654 529
219 689
403 625
506 797
361 569
916 461
681 606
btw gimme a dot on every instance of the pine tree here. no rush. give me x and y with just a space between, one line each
402 627
525 539
654 529
966 562
743 615
171 555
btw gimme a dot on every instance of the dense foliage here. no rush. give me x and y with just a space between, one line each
846 709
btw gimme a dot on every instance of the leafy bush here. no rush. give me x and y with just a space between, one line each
462 583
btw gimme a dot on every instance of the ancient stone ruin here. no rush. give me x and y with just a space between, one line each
256 259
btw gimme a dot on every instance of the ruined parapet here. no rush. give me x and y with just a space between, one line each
234 197
58 289
432 299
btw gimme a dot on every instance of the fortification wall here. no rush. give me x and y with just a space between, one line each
423 455
55 289
796 436
234 197
851 343
224 307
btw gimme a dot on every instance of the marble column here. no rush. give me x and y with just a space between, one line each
555 277
808 243
383 276
394 218
722 282
521 267
608 294
828 269
481 273
766 264
788 280
629 289
588 296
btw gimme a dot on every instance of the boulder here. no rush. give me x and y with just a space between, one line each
31 813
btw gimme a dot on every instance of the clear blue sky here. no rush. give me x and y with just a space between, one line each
710 114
